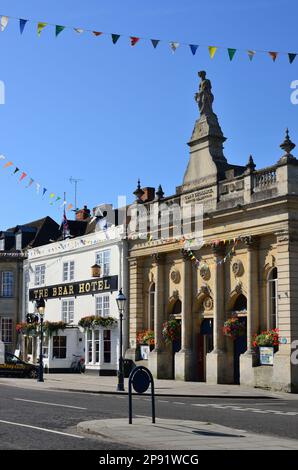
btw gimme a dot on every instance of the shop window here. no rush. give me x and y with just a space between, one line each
272 298
89 347
107 346
96 341
59 347
6 330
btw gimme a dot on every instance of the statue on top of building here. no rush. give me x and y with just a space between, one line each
204 96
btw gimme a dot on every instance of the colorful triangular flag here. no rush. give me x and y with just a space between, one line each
30 183
174 46
8 164
44 191
134 40
78 30
3 22
251 54
231 53
22 25
155 42
273 55
193 48
291 57
59 29
2 157
16 170
212 50
40 27
37 188
23 175
70 206
96 33
115 38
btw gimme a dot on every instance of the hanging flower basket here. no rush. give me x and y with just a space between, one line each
233 328
51 328
92 321
266 338
171 330
26 329
146 337
32 329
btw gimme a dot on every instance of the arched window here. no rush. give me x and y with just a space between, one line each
272 299
177 307
240 305
151 307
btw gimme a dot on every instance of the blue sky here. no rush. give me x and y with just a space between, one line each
80 106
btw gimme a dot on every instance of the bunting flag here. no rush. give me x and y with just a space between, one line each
134 40
3 22
40 27
8 164
2 157
273 55
44 191
212 50
22 25
23 175
115 38
30 183
174 46
231 53
193 48
59 29
251 54
291 57
58 199
70 206
155 42
37 188
16 170
52 195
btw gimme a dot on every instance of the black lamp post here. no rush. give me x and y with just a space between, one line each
40 307
121 301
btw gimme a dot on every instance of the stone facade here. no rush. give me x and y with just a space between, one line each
258 280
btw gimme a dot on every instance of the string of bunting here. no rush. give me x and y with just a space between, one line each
188 251
133 39
40 189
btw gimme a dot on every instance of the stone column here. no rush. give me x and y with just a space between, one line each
135 311
160 362
248 360
183 359
218 365
285 368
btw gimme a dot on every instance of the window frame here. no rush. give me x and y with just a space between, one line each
103 259
60 347
67 302
40 274
8 331
104 309
7 284
68 274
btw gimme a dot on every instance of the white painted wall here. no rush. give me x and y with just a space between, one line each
82 251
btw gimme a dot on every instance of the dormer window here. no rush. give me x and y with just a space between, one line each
19 241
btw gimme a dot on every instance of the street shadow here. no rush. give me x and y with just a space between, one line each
215 434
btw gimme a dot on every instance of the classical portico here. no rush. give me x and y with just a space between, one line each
244 268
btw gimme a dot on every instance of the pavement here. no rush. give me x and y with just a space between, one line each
107 385
182 435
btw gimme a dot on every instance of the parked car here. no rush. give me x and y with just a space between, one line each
15 367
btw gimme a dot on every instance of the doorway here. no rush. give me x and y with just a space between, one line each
205 346
240 346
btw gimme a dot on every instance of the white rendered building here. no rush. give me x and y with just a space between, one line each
61 272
